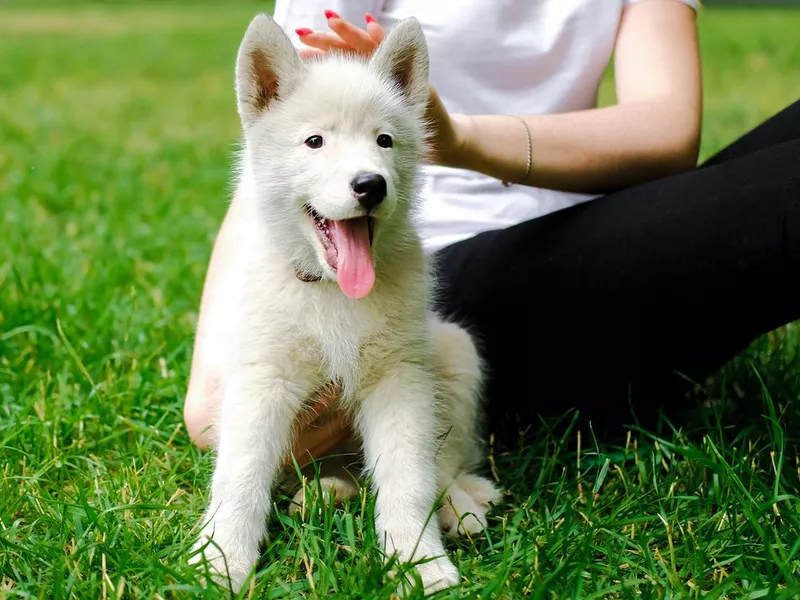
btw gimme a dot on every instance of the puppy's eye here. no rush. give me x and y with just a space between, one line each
315 141
384 141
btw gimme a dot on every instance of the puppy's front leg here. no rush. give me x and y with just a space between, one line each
258 409
397 423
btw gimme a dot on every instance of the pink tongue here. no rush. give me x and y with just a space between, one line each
354 265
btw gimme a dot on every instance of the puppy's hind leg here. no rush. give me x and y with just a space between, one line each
459 381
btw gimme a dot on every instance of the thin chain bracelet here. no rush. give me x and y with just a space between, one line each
530 152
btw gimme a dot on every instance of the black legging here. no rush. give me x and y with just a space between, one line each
622 298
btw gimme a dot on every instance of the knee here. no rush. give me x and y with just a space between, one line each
198 414
195 426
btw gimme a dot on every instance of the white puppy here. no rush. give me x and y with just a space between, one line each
332 284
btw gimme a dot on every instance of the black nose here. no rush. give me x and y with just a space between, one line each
369 188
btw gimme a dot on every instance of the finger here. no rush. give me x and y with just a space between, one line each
322 41
310 53
322 400
374 29
313 443
358 39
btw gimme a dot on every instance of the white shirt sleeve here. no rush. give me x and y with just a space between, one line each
293 14
695 4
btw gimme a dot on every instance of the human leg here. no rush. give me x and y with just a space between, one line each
624 296
782 127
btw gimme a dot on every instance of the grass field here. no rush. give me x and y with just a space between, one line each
117 124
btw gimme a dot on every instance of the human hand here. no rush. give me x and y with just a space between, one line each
320 428
445 131
345 37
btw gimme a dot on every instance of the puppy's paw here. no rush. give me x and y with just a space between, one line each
465 505
206 553
483 490
438 574
434 575
334 489
228 567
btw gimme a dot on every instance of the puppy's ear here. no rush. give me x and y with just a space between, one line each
267 67
403 56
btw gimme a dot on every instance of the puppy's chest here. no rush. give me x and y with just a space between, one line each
342 343
347 343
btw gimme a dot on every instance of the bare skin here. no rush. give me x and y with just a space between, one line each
652 131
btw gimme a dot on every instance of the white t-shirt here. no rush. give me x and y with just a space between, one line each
497 57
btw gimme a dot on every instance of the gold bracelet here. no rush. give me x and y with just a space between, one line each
530 152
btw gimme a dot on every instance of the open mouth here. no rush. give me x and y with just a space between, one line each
348 250
325 233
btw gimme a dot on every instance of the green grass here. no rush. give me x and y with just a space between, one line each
117 124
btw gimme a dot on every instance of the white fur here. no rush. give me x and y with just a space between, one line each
407 376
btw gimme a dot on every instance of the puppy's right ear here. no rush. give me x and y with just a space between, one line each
267 67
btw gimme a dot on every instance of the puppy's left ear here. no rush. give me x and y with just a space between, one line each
267 67
403 56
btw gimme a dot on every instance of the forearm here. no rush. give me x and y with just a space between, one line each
591 151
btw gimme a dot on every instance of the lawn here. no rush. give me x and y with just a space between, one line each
117 123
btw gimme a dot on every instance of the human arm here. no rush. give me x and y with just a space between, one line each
652 131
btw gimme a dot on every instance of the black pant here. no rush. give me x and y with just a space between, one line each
621 299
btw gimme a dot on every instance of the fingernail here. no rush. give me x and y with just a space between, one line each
370 19
329 14
303 31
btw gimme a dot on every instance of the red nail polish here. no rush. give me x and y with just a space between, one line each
370 19
303 31
329 14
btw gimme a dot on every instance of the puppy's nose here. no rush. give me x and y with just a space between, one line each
369 188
